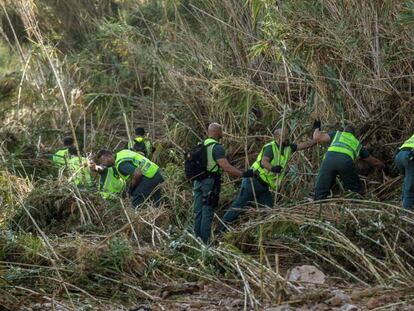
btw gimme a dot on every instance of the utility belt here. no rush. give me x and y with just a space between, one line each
259 179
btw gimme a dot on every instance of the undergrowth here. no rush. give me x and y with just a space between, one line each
173 67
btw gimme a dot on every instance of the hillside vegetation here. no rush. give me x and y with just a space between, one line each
98 69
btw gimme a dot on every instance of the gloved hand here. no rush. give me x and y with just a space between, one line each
248 174
276 169
317 124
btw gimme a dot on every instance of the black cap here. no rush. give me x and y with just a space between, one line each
68 141
140 131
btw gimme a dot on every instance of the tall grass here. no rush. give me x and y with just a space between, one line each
173 67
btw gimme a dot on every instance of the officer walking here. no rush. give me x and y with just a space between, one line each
266 173
344 150
142 175
404 160
207 190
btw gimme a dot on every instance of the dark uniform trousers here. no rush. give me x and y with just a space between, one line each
251 191
334 164
405 165
147 189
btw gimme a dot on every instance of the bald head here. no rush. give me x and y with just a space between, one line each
280 135
215 130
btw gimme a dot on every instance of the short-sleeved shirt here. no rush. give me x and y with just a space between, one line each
363 154
126 168
268 151
218 152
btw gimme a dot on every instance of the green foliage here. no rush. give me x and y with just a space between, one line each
173 67
24 248
118 254
9 62
406 16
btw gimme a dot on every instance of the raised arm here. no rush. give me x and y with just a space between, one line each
321 137
306 144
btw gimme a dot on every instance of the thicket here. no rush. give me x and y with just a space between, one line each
98 69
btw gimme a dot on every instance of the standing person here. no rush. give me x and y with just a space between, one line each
142 176
79 169
61 156
206 191
267 173
404 160
344 150
141 143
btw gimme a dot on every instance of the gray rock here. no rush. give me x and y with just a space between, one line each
307 274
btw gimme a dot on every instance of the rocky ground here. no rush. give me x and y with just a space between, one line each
314 293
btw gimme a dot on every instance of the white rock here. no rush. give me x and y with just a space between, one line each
307 274
349 307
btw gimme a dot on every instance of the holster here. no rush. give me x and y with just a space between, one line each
214 195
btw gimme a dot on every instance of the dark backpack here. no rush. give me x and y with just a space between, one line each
195 162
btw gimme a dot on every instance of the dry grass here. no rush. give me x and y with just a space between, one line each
173 67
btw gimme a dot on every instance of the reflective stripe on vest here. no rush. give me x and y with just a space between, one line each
60 157
81 175
272 179
137 139
147 144
409 143
147 168
346 143
212 166
112 185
